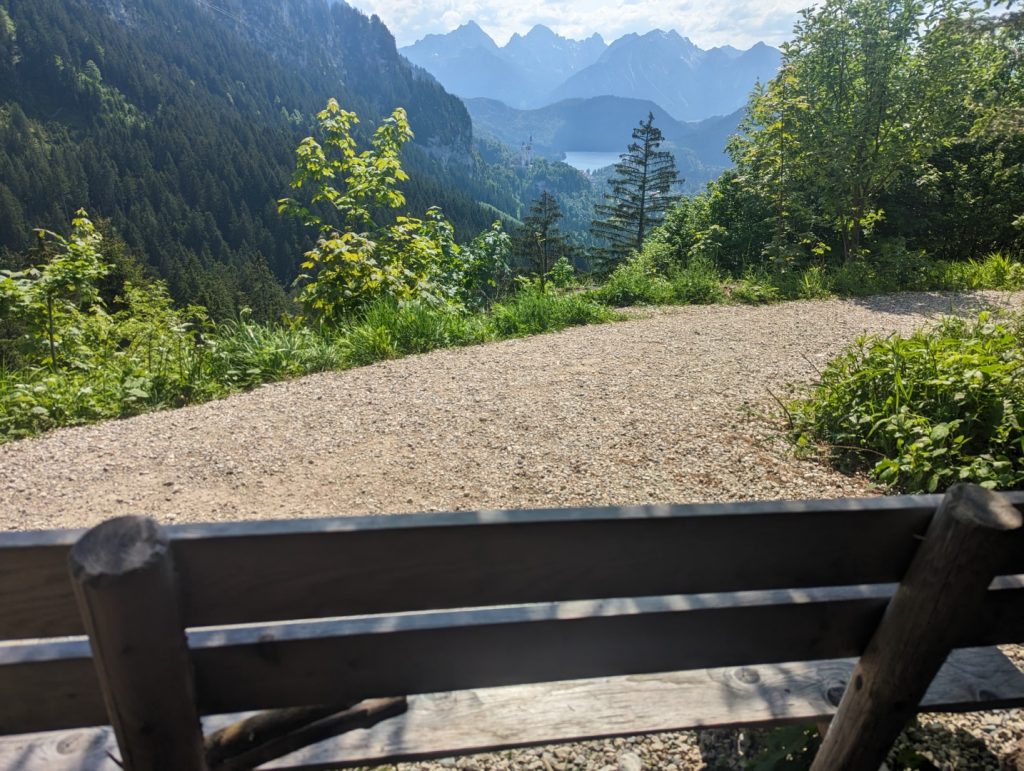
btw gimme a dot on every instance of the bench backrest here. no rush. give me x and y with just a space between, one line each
399 605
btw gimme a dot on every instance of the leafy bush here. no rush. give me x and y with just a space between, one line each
814 284
635 282
994 272
755 289
532 312
356 261
856 279
144 356
898 269
387 330
941 406
699 283
563 274
244 354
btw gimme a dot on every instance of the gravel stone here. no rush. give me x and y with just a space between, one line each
675 405
629 761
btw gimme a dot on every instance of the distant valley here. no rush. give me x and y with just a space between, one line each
542 68
592 132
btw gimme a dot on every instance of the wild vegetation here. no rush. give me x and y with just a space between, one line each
640 192
76 351
887 155
944 405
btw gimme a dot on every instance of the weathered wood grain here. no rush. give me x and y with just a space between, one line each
497 718
264 736
935 606
53 685
249 572
127 595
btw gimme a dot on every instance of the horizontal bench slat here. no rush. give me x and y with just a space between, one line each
253 572
412 661
499 718
54 685
765 695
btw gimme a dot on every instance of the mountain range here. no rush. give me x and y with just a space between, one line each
605 124
175 122
542 68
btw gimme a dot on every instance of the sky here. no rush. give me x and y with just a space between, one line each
706 22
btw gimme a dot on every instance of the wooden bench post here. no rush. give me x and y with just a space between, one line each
125 585
935 603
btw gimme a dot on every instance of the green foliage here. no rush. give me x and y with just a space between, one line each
142 353
488 267
635 282
243 354
891 132
563 274
755 289
356 261
387 330
698 283
728 224
941 406
52 301
144 356
831 133
994 272
814 284
539 240
532 312
639 195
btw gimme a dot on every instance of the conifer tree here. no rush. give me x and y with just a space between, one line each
540 239
640 194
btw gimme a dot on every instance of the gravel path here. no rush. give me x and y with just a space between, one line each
670 407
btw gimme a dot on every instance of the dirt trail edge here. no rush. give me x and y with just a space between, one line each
668 408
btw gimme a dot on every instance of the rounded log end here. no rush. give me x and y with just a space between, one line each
977 506
118 546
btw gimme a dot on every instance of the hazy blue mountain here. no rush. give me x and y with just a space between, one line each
469 63
604 125
546 57
464 38
689 82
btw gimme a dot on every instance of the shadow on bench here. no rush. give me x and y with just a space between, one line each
503 629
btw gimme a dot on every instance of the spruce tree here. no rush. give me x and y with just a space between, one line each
539 239
639 197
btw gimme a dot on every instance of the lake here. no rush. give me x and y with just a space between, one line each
590 161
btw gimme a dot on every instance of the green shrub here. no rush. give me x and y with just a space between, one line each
994 272
814 284
856 279
387 330
365 344
755 289
699 283
245 354
532 312
635 282
563 274
941 406
898 269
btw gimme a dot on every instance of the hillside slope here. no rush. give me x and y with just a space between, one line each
177 120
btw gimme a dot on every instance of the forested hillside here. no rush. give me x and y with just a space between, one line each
176 120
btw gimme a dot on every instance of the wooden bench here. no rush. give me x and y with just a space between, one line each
430 635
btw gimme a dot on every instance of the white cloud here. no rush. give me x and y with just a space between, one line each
707 22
